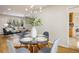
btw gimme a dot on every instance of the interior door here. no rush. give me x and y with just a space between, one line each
71 25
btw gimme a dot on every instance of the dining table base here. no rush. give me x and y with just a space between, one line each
34 48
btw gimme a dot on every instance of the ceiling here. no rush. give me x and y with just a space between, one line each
74 9
19 10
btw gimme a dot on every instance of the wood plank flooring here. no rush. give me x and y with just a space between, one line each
67 50
3 44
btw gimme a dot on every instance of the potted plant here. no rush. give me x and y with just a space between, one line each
35 22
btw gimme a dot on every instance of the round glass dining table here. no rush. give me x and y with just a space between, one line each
34 44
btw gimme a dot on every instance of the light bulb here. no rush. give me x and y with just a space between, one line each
31 6
9 8
26 9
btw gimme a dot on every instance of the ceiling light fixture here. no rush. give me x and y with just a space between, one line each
31 6
26 9
40 9
9 8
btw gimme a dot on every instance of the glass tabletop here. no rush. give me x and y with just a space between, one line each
30 40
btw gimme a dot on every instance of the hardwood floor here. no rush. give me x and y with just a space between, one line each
4 47
3 44
67 50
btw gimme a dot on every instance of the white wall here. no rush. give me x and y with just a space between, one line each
56 22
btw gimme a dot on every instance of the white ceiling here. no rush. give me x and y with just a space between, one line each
19 10
74 9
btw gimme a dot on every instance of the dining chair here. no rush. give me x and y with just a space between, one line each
53 49
19 50
22 50
46 34
17 42
15 39
11 48
10 45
